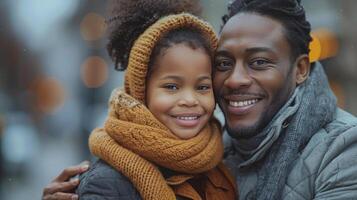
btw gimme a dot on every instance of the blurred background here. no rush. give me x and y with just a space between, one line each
56 77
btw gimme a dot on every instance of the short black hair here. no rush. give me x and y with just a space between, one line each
290 13
128 19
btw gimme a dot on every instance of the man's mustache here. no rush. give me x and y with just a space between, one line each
241 93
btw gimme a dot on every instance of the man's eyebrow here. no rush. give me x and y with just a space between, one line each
259 49
222 53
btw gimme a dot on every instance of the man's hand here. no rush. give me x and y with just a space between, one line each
62 187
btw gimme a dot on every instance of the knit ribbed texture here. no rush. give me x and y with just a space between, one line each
134 141
141 51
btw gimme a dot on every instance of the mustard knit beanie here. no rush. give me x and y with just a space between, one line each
139 57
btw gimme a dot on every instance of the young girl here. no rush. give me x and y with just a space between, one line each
160 140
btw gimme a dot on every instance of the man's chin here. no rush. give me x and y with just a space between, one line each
247 128
243 132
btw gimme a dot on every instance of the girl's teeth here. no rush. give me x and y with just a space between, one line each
187 118
242 103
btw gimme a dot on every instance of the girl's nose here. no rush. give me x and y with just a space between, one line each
188 99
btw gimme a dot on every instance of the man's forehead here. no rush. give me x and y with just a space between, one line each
251 23
250 30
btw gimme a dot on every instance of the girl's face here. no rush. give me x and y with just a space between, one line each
179 91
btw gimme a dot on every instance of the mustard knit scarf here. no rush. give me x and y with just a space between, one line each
133 141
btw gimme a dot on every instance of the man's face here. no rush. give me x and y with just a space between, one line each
253 73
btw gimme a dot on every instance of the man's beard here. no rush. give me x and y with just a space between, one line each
264 119
250 131
256 128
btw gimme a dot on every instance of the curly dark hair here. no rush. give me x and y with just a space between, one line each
289 12
128 19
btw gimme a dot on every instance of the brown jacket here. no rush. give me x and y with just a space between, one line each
215 184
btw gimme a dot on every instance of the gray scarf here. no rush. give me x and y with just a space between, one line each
316 108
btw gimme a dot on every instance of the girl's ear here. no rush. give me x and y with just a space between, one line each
302 69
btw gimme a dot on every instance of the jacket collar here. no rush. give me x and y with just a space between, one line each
218 177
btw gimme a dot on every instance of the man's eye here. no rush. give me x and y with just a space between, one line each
259 63
223 65
171 87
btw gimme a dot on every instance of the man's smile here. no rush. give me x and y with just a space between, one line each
241 104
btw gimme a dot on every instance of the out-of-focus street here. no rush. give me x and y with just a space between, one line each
56 78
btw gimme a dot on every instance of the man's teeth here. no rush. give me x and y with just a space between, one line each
243 103
188 118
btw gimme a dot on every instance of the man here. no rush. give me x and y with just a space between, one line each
288 139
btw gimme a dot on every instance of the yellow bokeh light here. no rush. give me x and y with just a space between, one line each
94 72
315 48
330 45
92 27
324 44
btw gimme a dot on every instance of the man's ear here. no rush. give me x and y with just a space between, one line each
302 68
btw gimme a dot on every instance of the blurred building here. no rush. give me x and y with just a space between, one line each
56 77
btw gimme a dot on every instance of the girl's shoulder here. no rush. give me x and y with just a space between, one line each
102 180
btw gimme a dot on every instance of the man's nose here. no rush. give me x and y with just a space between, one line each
239 77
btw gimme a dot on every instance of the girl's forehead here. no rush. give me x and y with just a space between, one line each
182 62
179 57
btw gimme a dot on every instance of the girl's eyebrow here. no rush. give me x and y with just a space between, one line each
204 77
178 78
171 77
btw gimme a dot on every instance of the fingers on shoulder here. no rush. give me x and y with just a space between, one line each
72 171
61 196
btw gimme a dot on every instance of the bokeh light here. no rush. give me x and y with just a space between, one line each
14 144
48 94
329 43
92 27
94 72
315 48
324 45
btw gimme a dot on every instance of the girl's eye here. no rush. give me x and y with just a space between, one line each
203 87
223 65
171 87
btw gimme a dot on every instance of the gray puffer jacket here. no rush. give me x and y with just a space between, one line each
326 168
103 182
